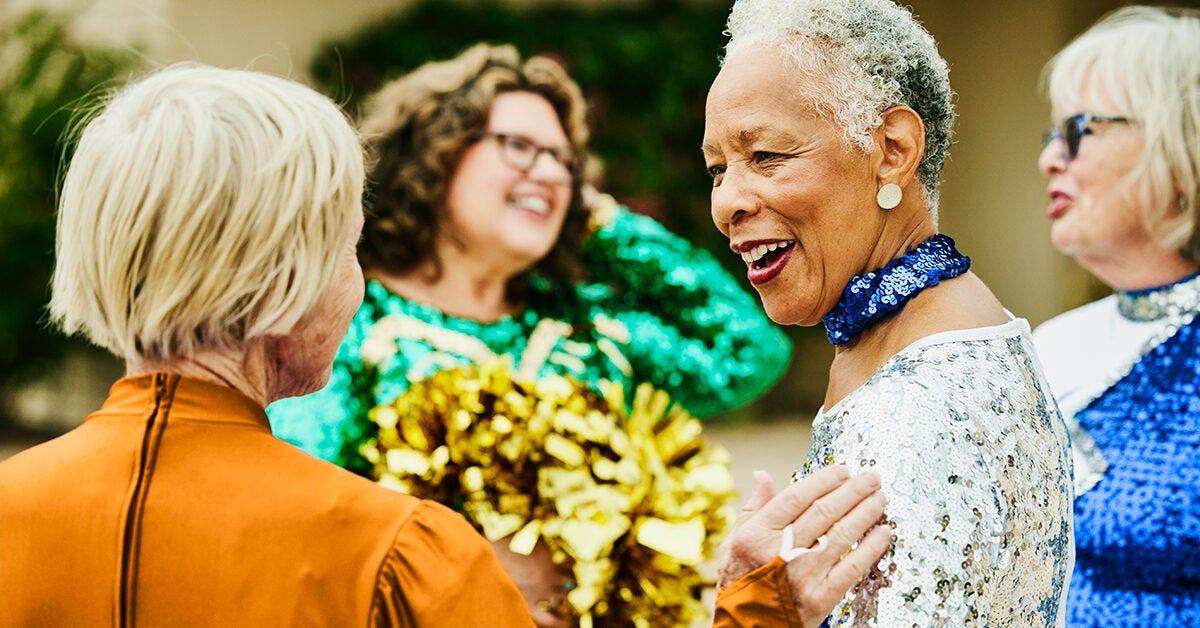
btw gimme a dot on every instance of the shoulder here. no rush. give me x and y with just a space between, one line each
25 474
943 394
420 560
437 562
332 490
939 366
980 355
629 233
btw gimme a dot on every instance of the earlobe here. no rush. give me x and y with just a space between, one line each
901 144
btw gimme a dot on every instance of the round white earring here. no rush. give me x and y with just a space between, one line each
888 196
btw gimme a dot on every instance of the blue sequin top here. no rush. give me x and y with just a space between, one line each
1138 527
657 310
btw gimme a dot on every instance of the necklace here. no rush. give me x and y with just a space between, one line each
873 296
1174 299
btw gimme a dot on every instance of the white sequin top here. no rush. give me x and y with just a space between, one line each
976 466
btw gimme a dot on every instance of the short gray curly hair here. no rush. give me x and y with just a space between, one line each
864 57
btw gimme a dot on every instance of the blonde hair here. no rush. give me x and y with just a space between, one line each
203 207
1146 62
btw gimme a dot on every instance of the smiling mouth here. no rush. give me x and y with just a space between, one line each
765 261
764 255
533 204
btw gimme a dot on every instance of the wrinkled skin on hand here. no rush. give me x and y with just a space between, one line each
845 509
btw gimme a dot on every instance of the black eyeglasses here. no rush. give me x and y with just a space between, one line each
522 153
1073 129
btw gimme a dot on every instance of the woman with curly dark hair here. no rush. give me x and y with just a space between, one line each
482 243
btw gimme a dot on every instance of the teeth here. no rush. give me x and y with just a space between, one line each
534 204
753 255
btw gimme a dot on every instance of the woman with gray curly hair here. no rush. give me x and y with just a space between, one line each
825 132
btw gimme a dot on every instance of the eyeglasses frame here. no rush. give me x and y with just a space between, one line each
1081 123
567 159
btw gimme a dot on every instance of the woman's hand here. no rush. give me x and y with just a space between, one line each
832 515
543 583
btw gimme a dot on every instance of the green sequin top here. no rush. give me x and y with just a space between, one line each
656 309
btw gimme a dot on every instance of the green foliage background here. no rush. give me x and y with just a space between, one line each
645 71
45 76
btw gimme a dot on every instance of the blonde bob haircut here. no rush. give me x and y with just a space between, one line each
1145 62
203 208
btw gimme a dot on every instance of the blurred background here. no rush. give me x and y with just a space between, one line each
645 66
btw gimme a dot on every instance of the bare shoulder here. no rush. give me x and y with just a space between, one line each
964 302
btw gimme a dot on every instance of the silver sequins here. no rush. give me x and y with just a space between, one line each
975 463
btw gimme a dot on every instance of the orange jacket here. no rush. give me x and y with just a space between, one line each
759 599
172 505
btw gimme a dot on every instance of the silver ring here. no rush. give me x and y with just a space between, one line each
788 551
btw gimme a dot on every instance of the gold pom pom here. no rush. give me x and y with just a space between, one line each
635 500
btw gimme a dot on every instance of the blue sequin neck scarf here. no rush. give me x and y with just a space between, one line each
871 297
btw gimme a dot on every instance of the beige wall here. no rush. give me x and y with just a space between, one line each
277 36
994 198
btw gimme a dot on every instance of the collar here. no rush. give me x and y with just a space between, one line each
188 398
1172 300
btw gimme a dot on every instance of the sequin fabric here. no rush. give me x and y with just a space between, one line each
974 460
657 310
1138 528
873 296
1176 300
1089 349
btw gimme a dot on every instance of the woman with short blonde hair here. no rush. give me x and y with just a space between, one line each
192 261
1123 163
206 235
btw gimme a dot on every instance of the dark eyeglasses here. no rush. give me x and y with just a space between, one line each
521 153
1073 129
